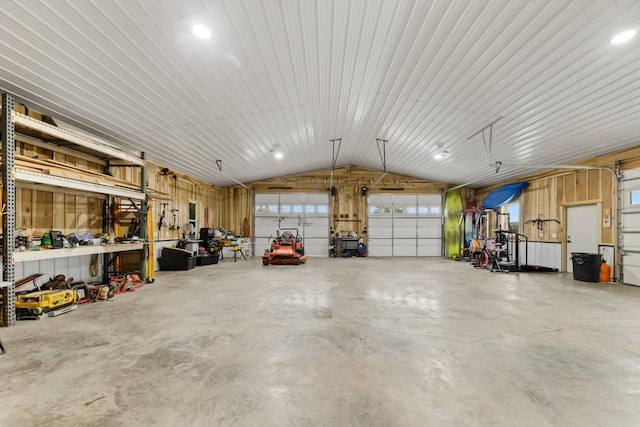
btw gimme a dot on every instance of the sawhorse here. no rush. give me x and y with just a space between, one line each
235 250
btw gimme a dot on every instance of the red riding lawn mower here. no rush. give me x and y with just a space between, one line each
286 248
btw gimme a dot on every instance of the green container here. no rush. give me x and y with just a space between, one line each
46 239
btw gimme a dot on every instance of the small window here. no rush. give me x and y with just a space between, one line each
513 209
273 209
310 208
423 210
297 208
635 197
379 210
193 223
285 208
434 209
398 209
261 208
322 209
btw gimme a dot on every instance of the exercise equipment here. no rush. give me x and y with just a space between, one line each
506 251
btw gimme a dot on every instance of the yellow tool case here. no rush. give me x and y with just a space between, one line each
34 304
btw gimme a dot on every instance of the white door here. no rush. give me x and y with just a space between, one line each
404 224
582 231
307 212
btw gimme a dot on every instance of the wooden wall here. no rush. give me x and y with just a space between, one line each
348 206
237 205
175 190
550 193
547 197
39 209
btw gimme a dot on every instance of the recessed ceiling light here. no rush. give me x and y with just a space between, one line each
440 155
201 31
278 155
623 37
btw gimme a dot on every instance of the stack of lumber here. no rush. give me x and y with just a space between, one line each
64 170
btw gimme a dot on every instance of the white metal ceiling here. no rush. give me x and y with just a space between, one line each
291 75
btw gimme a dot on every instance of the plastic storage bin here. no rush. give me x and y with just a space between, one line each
207 259
586 267
177 259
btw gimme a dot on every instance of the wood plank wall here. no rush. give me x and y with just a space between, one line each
176 190
237 205
547 197
40 210
348 206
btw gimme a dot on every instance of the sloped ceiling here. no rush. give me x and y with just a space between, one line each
291 75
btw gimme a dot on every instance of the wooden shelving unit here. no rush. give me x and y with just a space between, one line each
58 177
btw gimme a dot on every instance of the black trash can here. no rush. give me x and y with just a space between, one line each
586 267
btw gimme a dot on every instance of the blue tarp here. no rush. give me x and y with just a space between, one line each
502 195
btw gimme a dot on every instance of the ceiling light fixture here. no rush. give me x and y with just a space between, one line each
623 37
278 155
201 31
440 155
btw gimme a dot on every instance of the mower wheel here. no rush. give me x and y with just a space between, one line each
265 261
296 261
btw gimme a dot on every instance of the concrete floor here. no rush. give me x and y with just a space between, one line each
335 342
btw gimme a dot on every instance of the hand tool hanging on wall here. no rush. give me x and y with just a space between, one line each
539 222
162 215
174 225
174 211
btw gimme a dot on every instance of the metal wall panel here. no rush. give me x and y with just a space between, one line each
380 247
423 74
542 254
380 228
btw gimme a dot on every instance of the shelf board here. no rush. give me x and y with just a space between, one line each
75 137
23 175
77 251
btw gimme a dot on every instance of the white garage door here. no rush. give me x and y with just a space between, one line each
308 212
630 228
404 224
